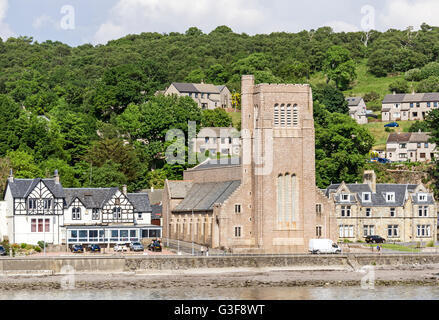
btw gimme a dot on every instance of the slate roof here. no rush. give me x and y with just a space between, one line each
206 88
21 188
203 196
185 87
353 101
89 197
221 163
378 199
179 189
155 196
227 132
197 87
410 97
421 137
140 201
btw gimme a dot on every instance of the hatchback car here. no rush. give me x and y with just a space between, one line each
375 239
391 125
136 246
120 248
95 248
77 248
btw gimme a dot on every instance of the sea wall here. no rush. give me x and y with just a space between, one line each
102 264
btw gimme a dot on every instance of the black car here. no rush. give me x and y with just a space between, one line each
3 251
375 239
77 248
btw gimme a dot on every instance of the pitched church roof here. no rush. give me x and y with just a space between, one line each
203 196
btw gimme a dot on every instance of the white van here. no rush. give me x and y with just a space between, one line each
317 246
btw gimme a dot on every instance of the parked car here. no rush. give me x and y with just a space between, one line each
380 160
3 251
374 239
120 248
94 248
391 125
136 246
317 246
155 246
77 248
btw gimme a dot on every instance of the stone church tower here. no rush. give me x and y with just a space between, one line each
267 202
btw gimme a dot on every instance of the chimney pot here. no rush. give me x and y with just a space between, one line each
56 176
124 189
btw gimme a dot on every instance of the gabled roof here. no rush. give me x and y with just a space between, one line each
155 195
422 137
218 163
21 188
179 189
353 101
378 199
203 196
411 97
399 137
185 87
91 198
140 202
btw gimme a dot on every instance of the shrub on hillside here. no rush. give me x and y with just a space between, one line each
371 96
413 75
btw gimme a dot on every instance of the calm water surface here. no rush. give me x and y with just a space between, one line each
273 293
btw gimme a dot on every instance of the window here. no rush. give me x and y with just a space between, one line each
392 231
318 231
428 104
426 145
43 225
368 212
117 213
423 230
237 232
368 230
403 155
403 145
289 115
411 105
419 146
237 208
76 213
418 104
276 115
435 104
345 211
32 204
206 140
390 196
422 197
47 203
346 231
139 216
392 212
423 211
295 115
117 202
415 114
318 208
95 214
366 196
345 197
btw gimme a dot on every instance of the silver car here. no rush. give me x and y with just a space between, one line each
136 246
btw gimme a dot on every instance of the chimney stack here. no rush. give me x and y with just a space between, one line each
56 176
124 189
370 178
152 189
11 176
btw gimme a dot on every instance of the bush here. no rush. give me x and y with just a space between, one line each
347 241
389 129
399 86
41 244
413 75
430 244
371 96
37 249
23 246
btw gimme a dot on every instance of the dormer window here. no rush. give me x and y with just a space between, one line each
422 197
344 197
367 197
390 196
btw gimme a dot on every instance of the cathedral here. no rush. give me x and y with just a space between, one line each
265 200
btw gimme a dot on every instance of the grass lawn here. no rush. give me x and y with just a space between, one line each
396 247
380 135
236 117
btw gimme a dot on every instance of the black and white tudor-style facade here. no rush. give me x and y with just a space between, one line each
42 210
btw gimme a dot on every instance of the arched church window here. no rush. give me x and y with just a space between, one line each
282 115
295 115
289 115
276 115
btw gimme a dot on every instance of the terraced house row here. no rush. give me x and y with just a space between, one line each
38 209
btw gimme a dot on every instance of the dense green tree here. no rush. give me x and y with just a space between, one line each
216 118
430 84
399 86
331 97
339 67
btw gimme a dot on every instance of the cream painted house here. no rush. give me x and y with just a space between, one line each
410 146
207 96
396 212
411 106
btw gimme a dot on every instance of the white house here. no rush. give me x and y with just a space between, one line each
42 210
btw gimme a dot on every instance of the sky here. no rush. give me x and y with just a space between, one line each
77 22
